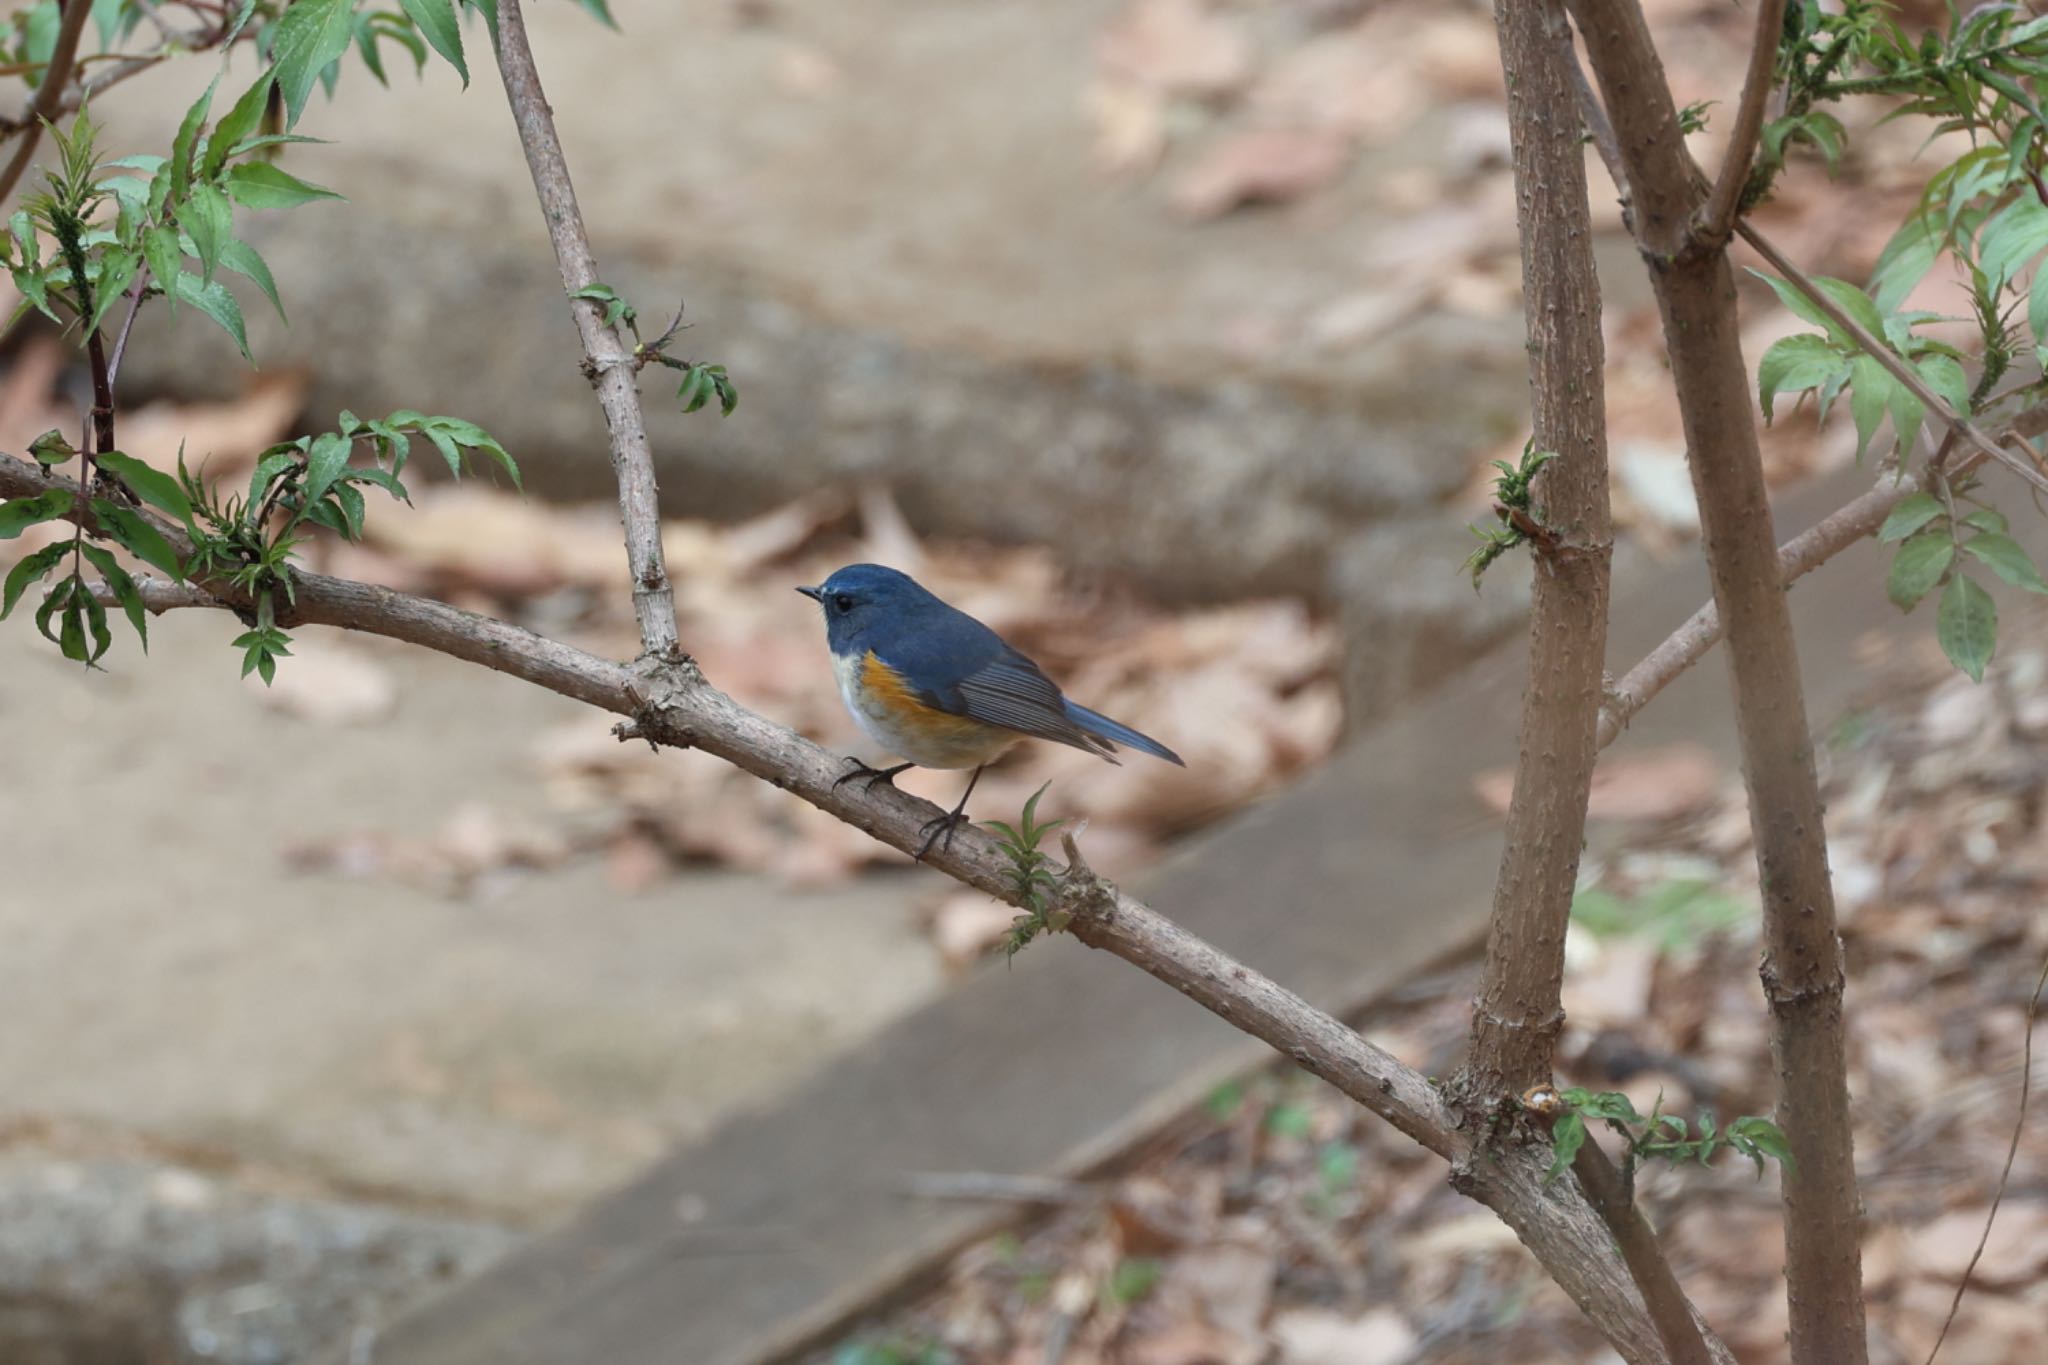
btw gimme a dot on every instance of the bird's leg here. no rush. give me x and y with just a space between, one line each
884 776
947 823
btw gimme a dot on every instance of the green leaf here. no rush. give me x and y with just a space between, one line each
1870 391
123 587
1844 295
435 20
1910 515
2013 236
160 248
269 465
238 123
244 260
32 569
51 448
153 486
1906 412
1985 519
52 604
600 8
96 623
1967 626
1918 566
2004 557
133 531
209 220
1567 1135
260 185
188 138
72 638
116 272
1945 377
18 514
1906 259
325 461
1794 364
212 298
310 36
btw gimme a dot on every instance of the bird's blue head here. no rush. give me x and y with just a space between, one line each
862 599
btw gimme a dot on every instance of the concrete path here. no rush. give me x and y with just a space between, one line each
766 1235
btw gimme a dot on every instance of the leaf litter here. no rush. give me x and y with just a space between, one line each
1345 1244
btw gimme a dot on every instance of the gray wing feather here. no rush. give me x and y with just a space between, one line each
1010 691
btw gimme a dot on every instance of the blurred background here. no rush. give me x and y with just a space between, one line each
1172 338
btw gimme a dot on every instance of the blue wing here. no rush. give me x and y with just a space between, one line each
959 666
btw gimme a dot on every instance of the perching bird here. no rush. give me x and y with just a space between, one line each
933 684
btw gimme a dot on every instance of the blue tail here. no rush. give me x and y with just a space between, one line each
1102 727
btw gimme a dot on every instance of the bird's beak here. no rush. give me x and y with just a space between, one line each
815 594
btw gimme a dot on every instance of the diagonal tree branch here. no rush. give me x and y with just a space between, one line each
49 98
607 361
1717 216
674 705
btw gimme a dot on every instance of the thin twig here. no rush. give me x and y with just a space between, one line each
675 706
49 95
607 360
136 293
1610 1198
1717 218
2012 1150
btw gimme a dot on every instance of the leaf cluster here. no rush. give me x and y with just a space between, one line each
702 381
1514 509
1031 877
1658 1136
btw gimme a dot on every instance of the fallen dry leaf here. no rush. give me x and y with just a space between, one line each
1180 47
1264 166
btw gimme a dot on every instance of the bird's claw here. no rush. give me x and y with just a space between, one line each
934 830
883 776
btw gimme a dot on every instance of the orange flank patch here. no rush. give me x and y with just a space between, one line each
889 693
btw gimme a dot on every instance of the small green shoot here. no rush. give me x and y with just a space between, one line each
1515 511
1030 877
1658 1136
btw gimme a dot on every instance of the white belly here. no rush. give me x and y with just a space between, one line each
928 747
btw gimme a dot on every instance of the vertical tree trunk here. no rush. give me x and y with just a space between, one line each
1802 966
1516 1019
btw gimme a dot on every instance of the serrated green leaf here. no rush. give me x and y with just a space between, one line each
436 22
134 533
1794 364
306 41
30 569
122 585
161 249
325 461
245 261
1945 377
18 514
212 298
1907 413
187 140
1967 626
1906 259
260 185
1567 1135
269 465
116 272
209 220
1985 519
153 486
2004 557
2011 237
1918 566
1845 296
237 124
1870 391
1910 515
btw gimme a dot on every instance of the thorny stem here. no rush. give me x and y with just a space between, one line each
608 360
675 706
1718 215
1802 969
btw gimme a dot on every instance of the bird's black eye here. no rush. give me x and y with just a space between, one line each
843 601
